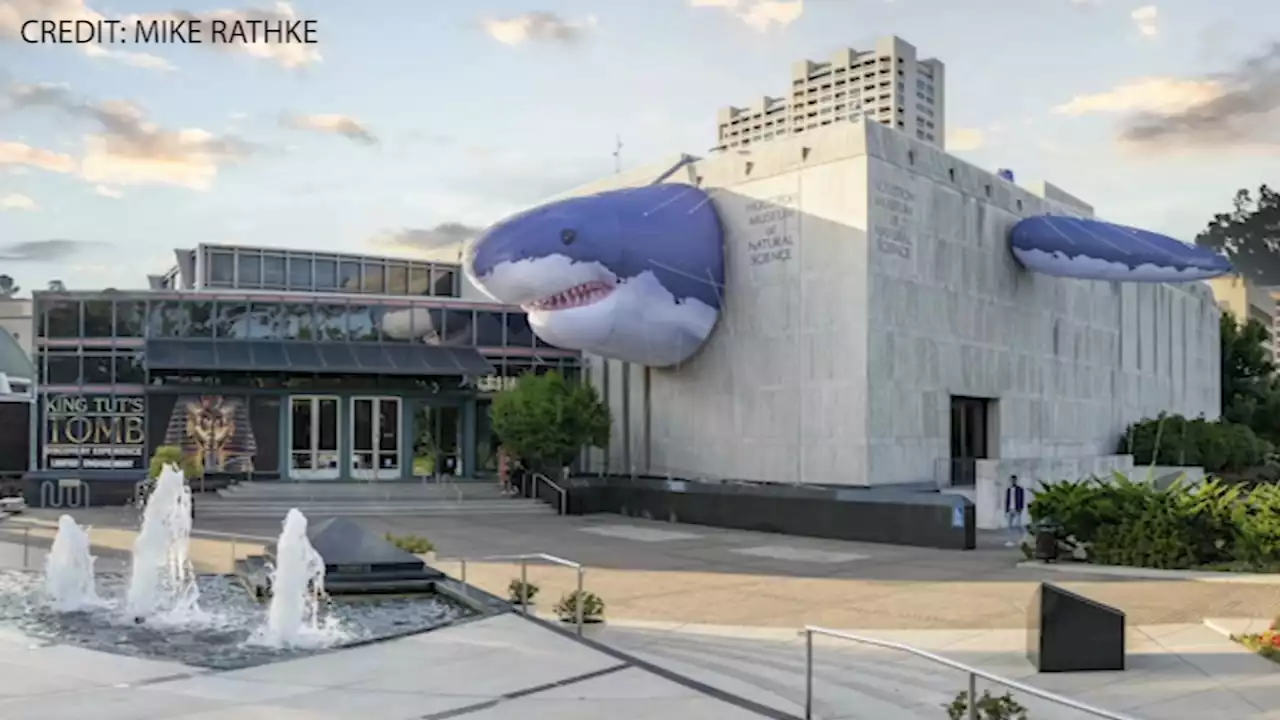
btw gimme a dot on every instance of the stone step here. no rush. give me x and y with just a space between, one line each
362 491
212 510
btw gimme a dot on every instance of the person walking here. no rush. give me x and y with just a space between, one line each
1015 503
504 470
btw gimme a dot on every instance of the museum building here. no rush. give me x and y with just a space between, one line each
278 364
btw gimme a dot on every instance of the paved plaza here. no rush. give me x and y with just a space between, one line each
718 608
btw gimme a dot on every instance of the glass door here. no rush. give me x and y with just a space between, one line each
375 433
437 441
313 437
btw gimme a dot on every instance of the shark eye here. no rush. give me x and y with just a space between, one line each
567 236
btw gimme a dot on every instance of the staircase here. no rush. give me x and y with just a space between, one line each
364 499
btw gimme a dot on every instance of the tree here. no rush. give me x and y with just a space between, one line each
1250 389
7 287
57 286
1249 235
546 420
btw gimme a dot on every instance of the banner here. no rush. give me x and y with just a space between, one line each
94 432
230 433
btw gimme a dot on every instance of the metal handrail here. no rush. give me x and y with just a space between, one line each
524 578
974 673
563 495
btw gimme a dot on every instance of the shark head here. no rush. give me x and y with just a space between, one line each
634 274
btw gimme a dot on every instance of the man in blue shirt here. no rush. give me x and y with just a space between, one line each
1015 502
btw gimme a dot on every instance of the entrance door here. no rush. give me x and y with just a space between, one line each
375 433
313 433
437 446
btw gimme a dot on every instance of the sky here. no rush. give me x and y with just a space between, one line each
406 130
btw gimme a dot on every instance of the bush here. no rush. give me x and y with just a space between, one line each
592 607
990 707
190 464
1216 446
1122 522
415 544
519 591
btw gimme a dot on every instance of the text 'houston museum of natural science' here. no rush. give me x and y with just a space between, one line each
856 308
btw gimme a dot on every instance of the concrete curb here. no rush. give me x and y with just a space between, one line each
1079 568
1234 627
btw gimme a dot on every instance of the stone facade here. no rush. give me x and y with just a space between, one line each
885 288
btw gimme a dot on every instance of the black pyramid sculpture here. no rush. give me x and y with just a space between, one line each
356 560
1067 632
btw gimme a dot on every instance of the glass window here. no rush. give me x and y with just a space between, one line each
396 323
297 323
200 314
131 316
539 342
222 268
63 317
326 274
429 326
397 280
442 282
128 369
519 334
419 280
265 320
331 321
98 315
360 323
97 368
231 320
167 319
374 281
349 276
457 328
64 367
273 271
250 269
488 328
300 273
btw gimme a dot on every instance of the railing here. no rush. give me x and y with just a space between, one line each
524 578
974 673
533 489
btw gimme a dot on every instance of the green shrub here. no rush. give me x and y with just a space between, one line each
990 707
592 607
1216 446
519 591
190 463
415 544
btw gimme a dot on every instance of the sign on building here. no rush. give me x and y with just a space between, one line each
94 432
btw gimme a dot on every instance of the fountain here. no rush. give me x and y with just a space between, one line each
297 589
162 580
162 610
68 569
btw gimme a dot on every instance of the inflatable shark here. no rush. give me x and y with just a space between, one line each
634 274
638 274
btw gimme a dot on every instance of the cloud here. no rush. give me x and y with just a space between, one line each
537 26
347 127
1147 18
965 139
13 13
129 150
1239 109
442 242
107 192
43 250
759 15
14 201
19 154
289 55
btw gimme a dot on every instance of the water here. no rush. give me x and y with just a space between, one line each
162 584
297 592
68 569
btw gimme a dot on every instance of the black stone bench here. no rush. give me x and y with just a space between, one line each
1067 632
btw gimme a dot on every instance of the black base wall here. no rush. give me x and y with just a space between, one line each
904 518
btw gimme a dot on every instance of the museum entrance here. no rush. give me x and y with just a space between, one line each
313 433
971 437
375 438
437 440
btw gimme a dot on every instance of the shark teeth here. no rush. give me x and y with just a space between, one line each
577 296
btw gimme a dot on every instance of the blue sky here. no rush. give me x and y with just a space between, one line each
403 124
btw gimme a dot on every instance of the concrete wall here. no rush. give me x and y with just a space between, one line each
1070 362
836 364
